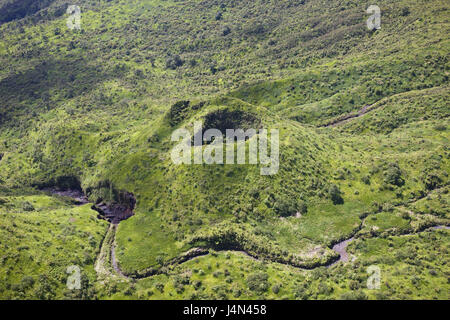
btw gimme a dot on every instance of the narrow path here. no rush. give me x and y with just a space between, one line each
441 228
348 117
101 265
76 195
114 263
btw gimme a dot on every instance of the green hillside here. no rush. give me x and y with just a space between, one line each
363 118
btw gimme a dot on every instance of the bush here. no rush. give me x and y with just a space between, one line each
226 31
302 207
354 285
254 193
276 288
258 282
236 292
160 287
325 289
335 194
432 180
366 180
178 112
26 206
393 175
285 207
301 293
174 62
405 11
440 127
27 282
405 215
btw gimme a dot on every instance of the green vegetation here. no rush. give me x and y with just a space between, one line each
41 238
363 120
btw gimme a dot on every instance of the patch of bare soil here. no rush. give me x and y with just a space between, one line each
76 195
348 117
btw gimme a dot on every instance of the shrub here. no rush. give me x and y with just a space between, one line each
325 289
302 207
26 206
285 207
160 260
226 31
254 193
405 11
335 194
301 293
432 180
354 285
160 287
27 282
178 112
405 215
393 175
440 127
366 180
258 282
276 288
173 62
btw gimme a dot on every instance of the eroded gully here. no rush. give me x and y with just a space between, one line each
115 213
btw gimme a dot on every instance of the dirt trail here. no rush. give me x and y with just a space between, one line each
348 117
114 263
102 258
440 228
76 195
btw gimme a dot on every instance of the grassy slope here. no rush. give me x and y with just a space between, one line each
93 104
42 237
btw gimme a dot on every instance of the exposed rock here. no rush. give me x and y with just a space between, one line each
78 197
116 212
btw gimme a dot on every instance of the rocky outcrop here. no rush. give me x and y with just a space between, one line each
116 212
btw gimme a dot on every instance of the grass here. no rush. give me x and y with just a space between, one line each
42 237
96 105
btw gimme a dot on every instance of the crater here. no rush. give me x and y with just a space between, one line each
229 119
